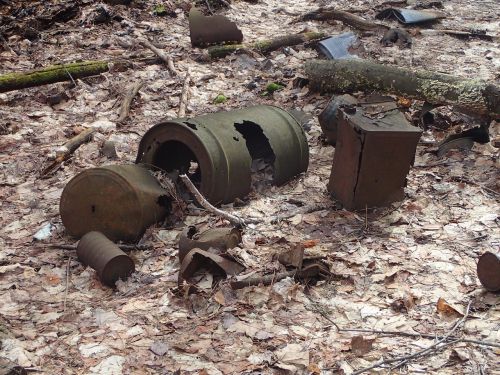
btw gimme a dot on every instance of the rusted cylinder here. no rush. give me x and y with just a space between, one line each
97 251
223 145
488 271
120 201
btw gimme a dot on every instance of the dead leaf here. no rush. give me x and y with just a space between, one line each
360 346
310 243
445 308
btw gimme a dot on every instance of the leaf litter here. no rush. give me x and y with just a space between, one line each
408 268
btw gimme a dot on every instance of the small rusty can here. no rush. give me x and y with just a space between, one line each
120 201
111 264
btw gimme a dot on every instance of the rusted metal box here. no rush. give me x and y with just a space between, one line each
374 151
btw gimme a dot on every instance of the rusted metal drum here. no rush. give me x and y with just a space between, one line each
223 145
488 271
120 201
110 263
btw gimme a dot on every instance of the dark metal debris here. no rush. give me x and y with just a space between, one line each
293 256
409 16
330 116
120 201
217 150
396 36
209 30
464 140
218 238
488 271
338 46
110 263
374 151
216 264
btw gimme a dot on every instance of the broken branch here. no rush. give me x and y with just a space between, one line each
52 74
184 96
127 100
233 219
404 359
324 14
68 149
162 55
472 96
266 46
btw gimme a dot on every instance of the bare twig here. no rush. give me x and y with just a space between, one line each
301 210
67 284
127 100
67 150
183 101
410 334
404 359
162 55
209 207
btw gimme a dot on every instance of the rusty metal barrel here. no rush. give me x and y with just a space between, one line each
223 145
120 201
111 264
488 271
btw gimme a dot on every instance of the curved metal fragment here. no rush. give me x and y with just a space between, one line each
218 238
209 30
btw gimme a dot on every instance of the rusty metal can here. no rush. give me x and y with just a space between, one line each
120 201
223 145
111 264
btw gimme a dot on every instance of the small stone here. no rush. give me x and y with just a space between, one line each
108 149
159 348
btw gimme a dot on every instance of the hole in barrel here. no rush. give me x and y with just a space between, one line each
260 151
174 156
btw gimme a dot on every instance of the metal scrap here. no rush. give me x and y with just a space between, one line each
205 31
464 140
375 147
409 16
197 259
338 46
217 150
488 271
396 36
218 238
120 201
110 263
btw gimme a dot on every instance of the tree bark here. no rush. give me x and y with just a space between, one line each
344 76
266 46
52 74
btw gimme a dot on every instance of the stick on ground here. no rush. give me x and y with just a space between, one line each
162 55
127 100
68 149
183 101
434 347
325 14
233 219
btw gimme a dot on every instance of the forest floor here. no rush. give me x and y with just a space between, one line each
390 265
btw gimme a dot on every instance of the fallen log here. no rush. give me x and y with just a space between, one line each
52 74
266 46
344 76
132 91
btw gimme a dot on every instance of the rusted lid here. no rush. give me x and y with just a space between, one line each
488 271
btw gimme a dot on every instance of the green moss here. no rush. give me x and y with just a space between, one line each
219 99
51 74
273 87
159 10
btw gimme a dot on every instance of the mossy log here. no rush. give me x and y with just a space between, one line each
345 76
51 74
266 46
